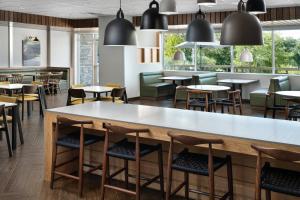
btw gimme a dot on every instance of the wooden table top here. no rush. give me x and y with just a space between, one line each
176 78
96 89
237 81
213 88
294 94
215 124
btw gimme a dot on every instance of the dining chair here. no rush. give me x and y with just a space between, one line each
274 179
180 95
74 135
198 164
17 78
271 104
29 94
77 96
117 95
200 99
4 128
44 79
54 82
233 100
129 151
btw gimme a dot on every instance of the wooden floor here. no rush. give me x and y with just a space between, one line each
21 177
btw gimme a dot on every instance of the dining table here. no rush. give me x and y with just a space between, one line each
237 83
16 123
96 90
182 79
290 97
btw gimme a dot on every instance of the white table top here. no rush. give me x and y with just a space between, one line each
8 104
96 89
294 94
176 78
14 86
243 127
213 88
237 81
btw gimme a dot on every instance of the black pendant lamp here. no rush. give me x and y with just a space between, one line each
120 31
152 20
200 30
241 28
256 7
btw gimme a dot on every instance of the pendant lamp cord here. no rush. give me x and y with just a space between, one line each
200 13
242 6
121 4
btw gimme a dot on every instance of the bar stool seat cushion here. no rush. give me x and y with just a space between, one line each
126 150
72 140
195 163
281 180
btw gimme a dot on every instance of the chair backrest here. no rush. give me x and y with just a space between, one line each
119 93
65 125
280 83
147 78
234 95
205 79
278 154
29 89
75 93
196 94
44 78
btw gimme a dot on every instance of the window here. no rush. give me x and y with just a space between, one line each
287 51
280 54
262 57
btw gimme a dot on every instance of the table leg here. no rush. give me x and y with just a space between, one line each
19 125
14 128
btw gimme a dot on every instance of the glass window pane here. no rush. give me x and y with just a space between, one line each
287 51
262 57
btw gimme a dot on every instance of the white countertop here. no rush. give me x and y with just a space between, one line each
244 127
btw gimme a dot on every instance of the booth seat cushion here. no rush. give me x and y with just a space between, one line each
258 97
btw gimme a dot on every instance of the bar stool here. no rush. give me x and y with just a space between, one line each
200 99
273 179
204 165
129 151
74 138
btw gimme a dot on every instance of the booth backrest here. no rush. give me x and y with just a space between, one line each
147 78
205 79
280 83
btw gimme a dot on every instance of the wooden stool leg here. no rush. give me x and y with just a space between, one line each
187 188
169 182
161 172
104 172
126 173
81 159
54 156
268 195
229 177
138 179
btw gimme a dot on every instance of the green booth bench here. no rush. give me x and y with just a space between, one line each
280 83
152 86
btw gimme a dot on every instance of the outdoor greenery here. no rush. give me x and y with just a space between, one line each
287 55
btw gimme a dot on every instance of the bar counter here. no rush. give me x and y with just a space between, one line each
238 133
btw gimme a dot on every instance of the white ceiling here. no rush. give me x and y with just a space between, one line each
83 8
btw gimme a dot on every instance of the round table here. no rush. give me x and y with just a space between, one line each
291 94
212 88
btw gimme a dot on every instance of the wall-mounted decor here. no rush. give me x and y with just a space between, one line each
31 51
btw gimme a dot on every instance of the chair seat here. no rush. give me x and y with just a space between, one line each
281 180
29 97
79 101
126 150
72 140
199 103
195 163
227 102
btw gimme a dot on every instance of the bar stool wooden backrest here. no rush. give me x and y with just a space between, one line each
194 141
278 154
204 94
111 129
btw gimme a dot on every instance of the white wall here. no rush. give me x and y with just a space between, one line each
60 47
4 59
133 69
111 58
23 31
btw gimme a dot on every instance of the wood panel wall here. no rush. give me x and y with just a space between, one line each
46 20
273 14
